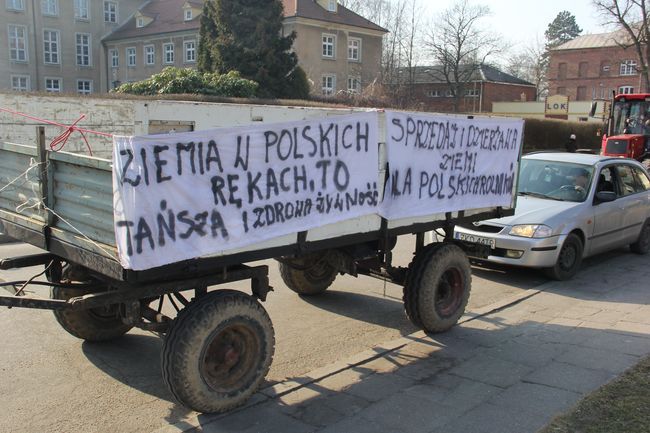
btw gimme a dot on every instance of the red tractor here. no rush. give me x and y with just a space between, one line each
628 128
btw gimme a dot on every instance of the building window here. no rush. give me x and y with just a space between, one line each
626 90
561 71
583 68
84 87
83 49
168 50
354 84
15 5
50 7
354 49
20 83
130 56
581 93
188 14
471 93
110 12
53 85
17 43
329 84
331 5
115 58
190 51
149 55
433 93
328 45
81 10
628 67
561 90
139 22
51 46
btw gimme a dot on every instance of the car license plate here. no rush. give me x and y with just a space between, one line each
475 239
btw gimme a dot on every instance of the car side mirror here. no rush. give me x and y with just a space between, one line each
592 110
605 196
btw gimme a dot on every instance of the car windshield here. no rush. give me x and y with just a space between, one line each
555 180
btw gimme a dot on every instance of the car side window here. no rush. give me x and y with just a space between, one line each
628 181
606 180
641 178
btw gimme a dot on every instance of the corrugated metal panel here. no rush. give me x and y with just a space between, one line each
83 197
24 191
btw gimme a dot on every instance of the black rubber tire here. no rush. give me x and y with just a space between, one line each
437 287
218 351
569 259
316 277
642 244
96 324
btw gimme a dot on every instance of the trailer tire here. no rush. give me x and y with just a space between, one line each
218 351
313 276
642 244
437 287
95 324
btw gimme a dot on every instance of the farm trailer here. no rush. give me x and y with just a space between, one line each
218 348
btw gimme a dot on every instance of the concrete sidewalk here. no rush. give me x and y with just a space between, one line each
510 368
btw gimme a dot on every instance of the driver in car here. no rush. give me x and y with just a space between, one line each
581 180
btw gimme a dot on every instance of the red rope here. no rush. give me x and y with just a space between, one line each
59 142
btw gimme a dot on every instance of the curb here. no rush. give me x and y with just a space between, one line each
288 386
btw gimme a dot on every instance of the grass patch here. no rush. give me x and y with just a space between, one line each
622 406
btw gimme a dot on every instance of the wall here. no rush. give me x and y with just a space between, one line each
577 110
132 117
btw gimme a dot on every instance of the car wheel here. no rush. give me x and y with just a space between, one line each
569 260
642 244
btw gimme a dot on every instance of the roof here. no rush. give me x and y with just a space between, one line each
168 18
575 158
598 40
311 9
427 75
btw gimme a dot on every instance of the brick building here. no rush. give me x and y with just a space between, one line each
487 85
592 67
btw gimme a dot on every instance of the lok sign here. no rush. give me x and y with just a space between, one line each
557 107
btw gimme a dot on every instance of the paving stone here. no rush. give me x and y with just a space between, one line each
542 400
317 413
295 400
641 329
407 413
491 370
607 317
580 312
345 403
617 342
569 377
259 419
344 379
355 425
454 347
427 392
638 316
598 359
379 386
426 368
488 418
532 355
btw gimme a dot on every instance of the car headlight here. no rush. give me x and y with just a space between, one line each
531 231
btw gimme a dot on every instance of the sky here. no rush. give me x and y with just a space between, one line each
522 22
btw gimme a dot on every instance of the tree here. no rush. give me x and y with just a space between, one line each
631 16
246 36
531 65
562 29
459 46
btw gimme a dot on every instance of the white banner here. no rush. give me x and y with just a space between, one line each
441 163
185 195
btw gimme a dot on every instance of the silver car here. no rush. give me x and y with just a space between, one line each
569 206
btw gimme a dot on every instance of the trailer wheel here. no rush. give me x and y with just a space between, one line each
437 287
642 244
309 275
217 351
95 324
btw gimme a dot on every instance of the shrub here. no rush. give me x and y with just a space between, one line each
173 80
547 134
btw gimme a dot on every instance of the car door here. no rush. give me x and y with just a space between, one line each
634 201
608 216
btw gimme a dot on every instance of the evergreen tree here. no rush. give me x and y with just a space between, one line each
245 35
562 29
207 36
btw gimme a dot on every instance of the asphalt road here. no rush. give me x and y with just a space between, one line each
51 381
